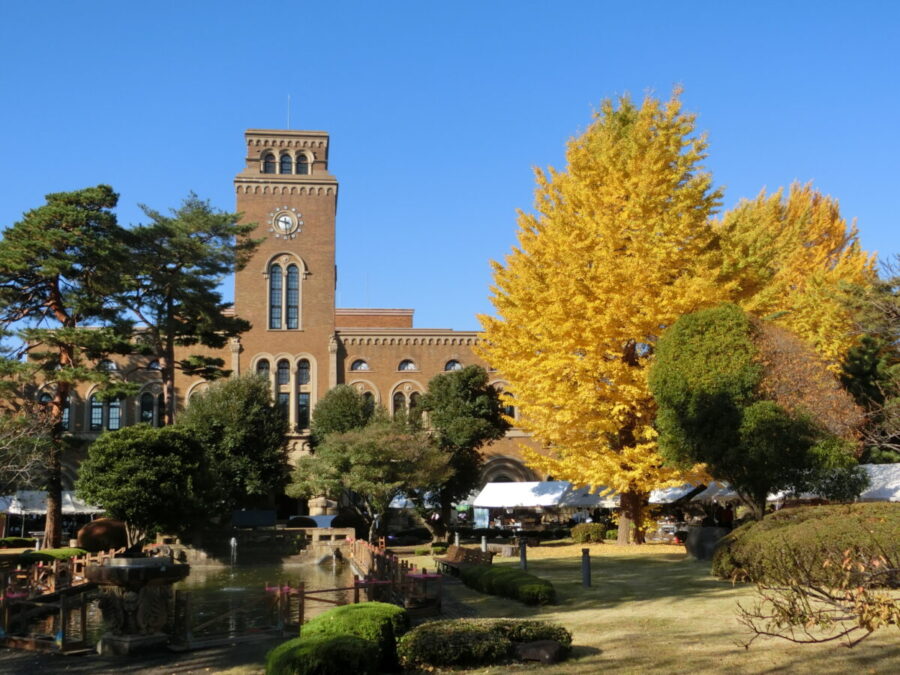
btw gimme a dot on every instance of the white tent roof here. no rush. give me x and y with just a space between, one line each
35 502
544 493
671 494
884 483
719 491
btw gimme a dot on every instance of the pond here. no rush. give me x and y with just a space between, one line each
219 592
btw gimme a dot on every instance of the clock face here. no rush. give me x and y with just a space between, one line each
285 222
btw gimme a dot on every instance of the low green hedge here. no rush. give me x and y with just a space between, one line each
508 582
586 533
323 655
379 623
611 534
439 549
472 642
804 537
51 554
17 542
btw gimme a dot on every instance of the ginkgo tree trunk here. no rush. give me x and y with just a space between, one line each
620 245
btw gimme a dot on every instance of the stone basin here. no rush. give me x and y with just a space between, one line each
136 572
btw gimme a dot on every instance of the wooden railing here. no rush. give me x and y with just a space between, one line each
386 577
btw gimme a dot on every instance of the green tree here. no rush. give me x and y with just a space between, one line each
342 409
144 476
241 435
174 267
371 465
57 275
464 414
758 408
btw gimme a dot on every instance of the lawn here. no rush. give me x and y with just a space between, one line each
651 609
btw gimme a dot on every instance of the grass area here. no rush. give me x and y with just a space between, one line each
651 609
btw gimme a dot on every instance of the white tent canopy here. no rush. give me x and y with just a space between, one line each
554 493
26 502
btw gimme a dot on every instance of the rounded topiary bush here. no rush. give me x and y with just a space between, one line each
472 642
586 533
323 655
379 623
778 546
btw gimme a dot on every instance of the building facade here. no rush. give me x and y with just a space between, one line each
299 339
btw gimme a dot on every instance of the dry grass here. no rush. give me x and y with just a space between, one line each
651 609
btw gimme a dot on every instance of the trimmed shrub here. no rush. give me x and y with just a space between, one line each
586 533
472 642
379 623
323 655
51 554
508 582
439 549
422 551
17 542
611 534
805 537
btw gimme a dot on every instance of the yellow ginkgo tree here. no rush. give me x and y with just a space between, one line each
621 245
795 259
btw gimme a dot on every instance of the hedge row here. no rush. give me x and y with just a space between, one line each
586 533
802 538
17 542
508 582
472 642
51 554
359 638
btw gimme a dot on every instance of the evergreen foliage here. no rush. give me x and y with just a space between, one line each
326 655
342 409
241 435
170 282
144 476
714 377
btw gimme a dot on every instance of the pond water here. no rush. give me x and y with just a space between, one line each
219 592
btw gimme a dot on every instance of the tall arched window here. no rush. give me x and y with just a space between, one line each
262 368
114 414
96 407
303 410
399 402
414 400
369 400
275 297
286 164
148 404
283 374
293 297
303 372
269 163
302 165
66 413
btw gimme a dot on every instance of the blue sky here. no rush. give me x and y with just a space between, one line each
438 111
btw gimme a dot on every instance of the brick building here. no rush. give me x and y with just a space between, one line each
299 339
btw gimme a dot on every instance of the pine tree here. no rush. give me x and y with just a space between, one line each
620 247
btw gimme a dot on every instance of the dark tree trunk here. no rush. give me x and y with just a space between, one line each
631 518
53 526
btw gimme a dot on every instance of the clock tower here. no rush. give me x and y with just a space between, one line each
287 289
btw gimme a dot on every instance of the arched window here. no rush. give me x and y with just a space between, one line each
45 398
107 365
359 364
399 402
452 364
407 364
414 400
293 297
262 368
114 414
148 404
302 164
303 410
284 402
153 365
369 401
283 374
286 164
303 372
269 163
275 297
96 406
